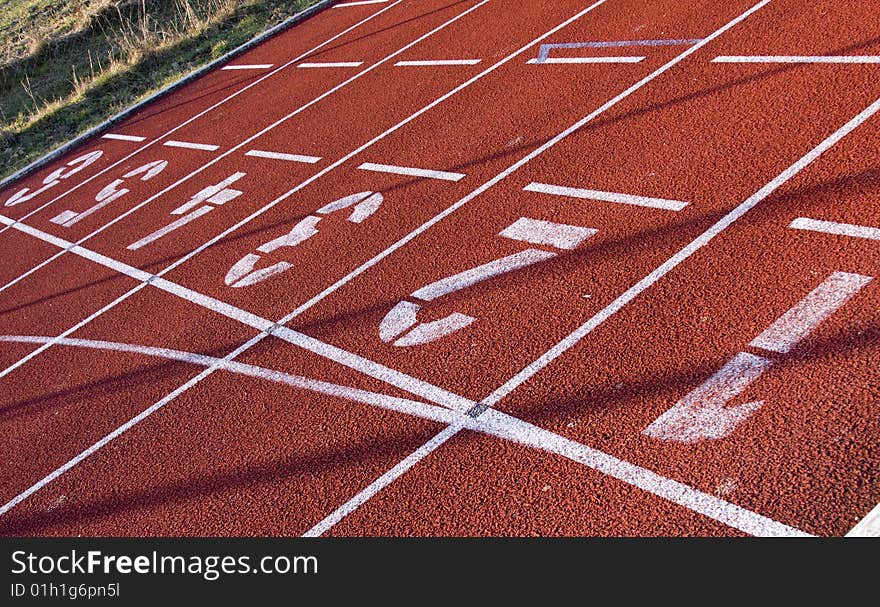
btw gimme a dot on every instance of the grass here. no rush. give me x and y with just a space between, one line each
68 65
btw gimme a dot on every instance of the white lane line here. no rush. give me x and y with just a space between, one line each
210 109
283 156
403 241
122 137
492 423
570 60
507 427
383 481
207 147
868 526
359 3
413 172
702 240
367 367
547 233
501 176
642 201
796 59
235 148
489 184
838 229
331 64
820 303
253 66
437 62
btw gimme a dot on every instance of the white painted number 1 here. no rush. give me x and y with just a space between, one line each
704 415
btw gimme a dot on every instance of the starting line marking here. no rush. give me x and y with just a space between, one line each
332 64
207 147
438 62
838 229
642 201
255 66
411 171
585 60
797 59
282 156
123 137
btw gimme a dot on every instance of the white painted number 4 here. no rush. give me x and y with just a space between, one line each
245 272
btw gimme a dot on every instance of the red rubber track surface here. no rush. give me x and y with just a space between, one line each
145 392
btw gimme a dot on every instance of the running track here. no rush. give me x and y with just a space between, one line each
463 267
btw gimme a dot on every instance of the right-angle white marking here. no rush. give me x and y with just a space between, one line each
359 3
206 147
560 60
703 414
868 526
548 233
797 59
331 64
838 229
253 66
123 137
641 201
282 156
411 171
819 304
437 62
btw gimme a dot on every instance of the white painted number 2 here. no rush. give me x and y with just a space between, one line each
244 272
401 326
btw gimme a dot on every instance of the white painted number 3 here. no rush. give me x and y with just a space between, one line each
245 272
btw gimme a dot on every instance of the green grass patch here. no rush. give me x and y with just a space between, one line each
68 66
